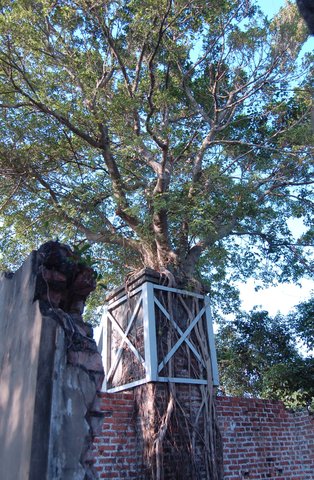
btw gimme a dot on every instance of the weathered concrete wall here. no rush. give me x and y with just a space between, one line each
20 333
50 370
74 404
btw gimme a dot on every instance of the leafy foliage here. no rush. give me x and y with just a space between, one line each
302 319
168 134
258 357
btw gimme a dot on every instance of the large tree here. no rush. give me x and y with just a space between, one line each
175 134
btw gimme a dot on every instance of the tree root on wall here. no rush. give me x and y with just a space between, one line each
178 423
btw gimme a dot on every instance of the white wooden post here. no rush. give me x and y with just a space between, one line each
149 324
211 340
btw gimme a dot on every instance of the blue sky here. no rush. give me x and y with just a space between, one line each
270 7
283 297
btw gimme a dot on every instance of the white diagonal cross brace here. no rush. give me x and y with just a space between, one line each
125 339
183 337
176 326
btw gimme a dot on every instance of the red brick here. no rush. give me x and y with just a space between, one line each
259 437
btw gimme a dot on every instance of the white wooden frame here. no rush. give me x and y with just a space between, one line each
148 300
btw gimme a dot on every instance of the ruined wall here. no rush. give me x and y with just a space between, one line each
261 440
50 370
51 406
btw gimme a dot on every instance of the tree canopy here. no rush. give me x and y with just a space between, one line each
173 134
302 321
258 356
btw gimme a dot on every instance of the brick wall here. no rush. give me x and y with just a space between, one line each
261 440
117 454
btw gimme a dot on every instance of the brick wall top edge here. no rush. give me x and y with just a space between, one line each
248 400
275 405
222 402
